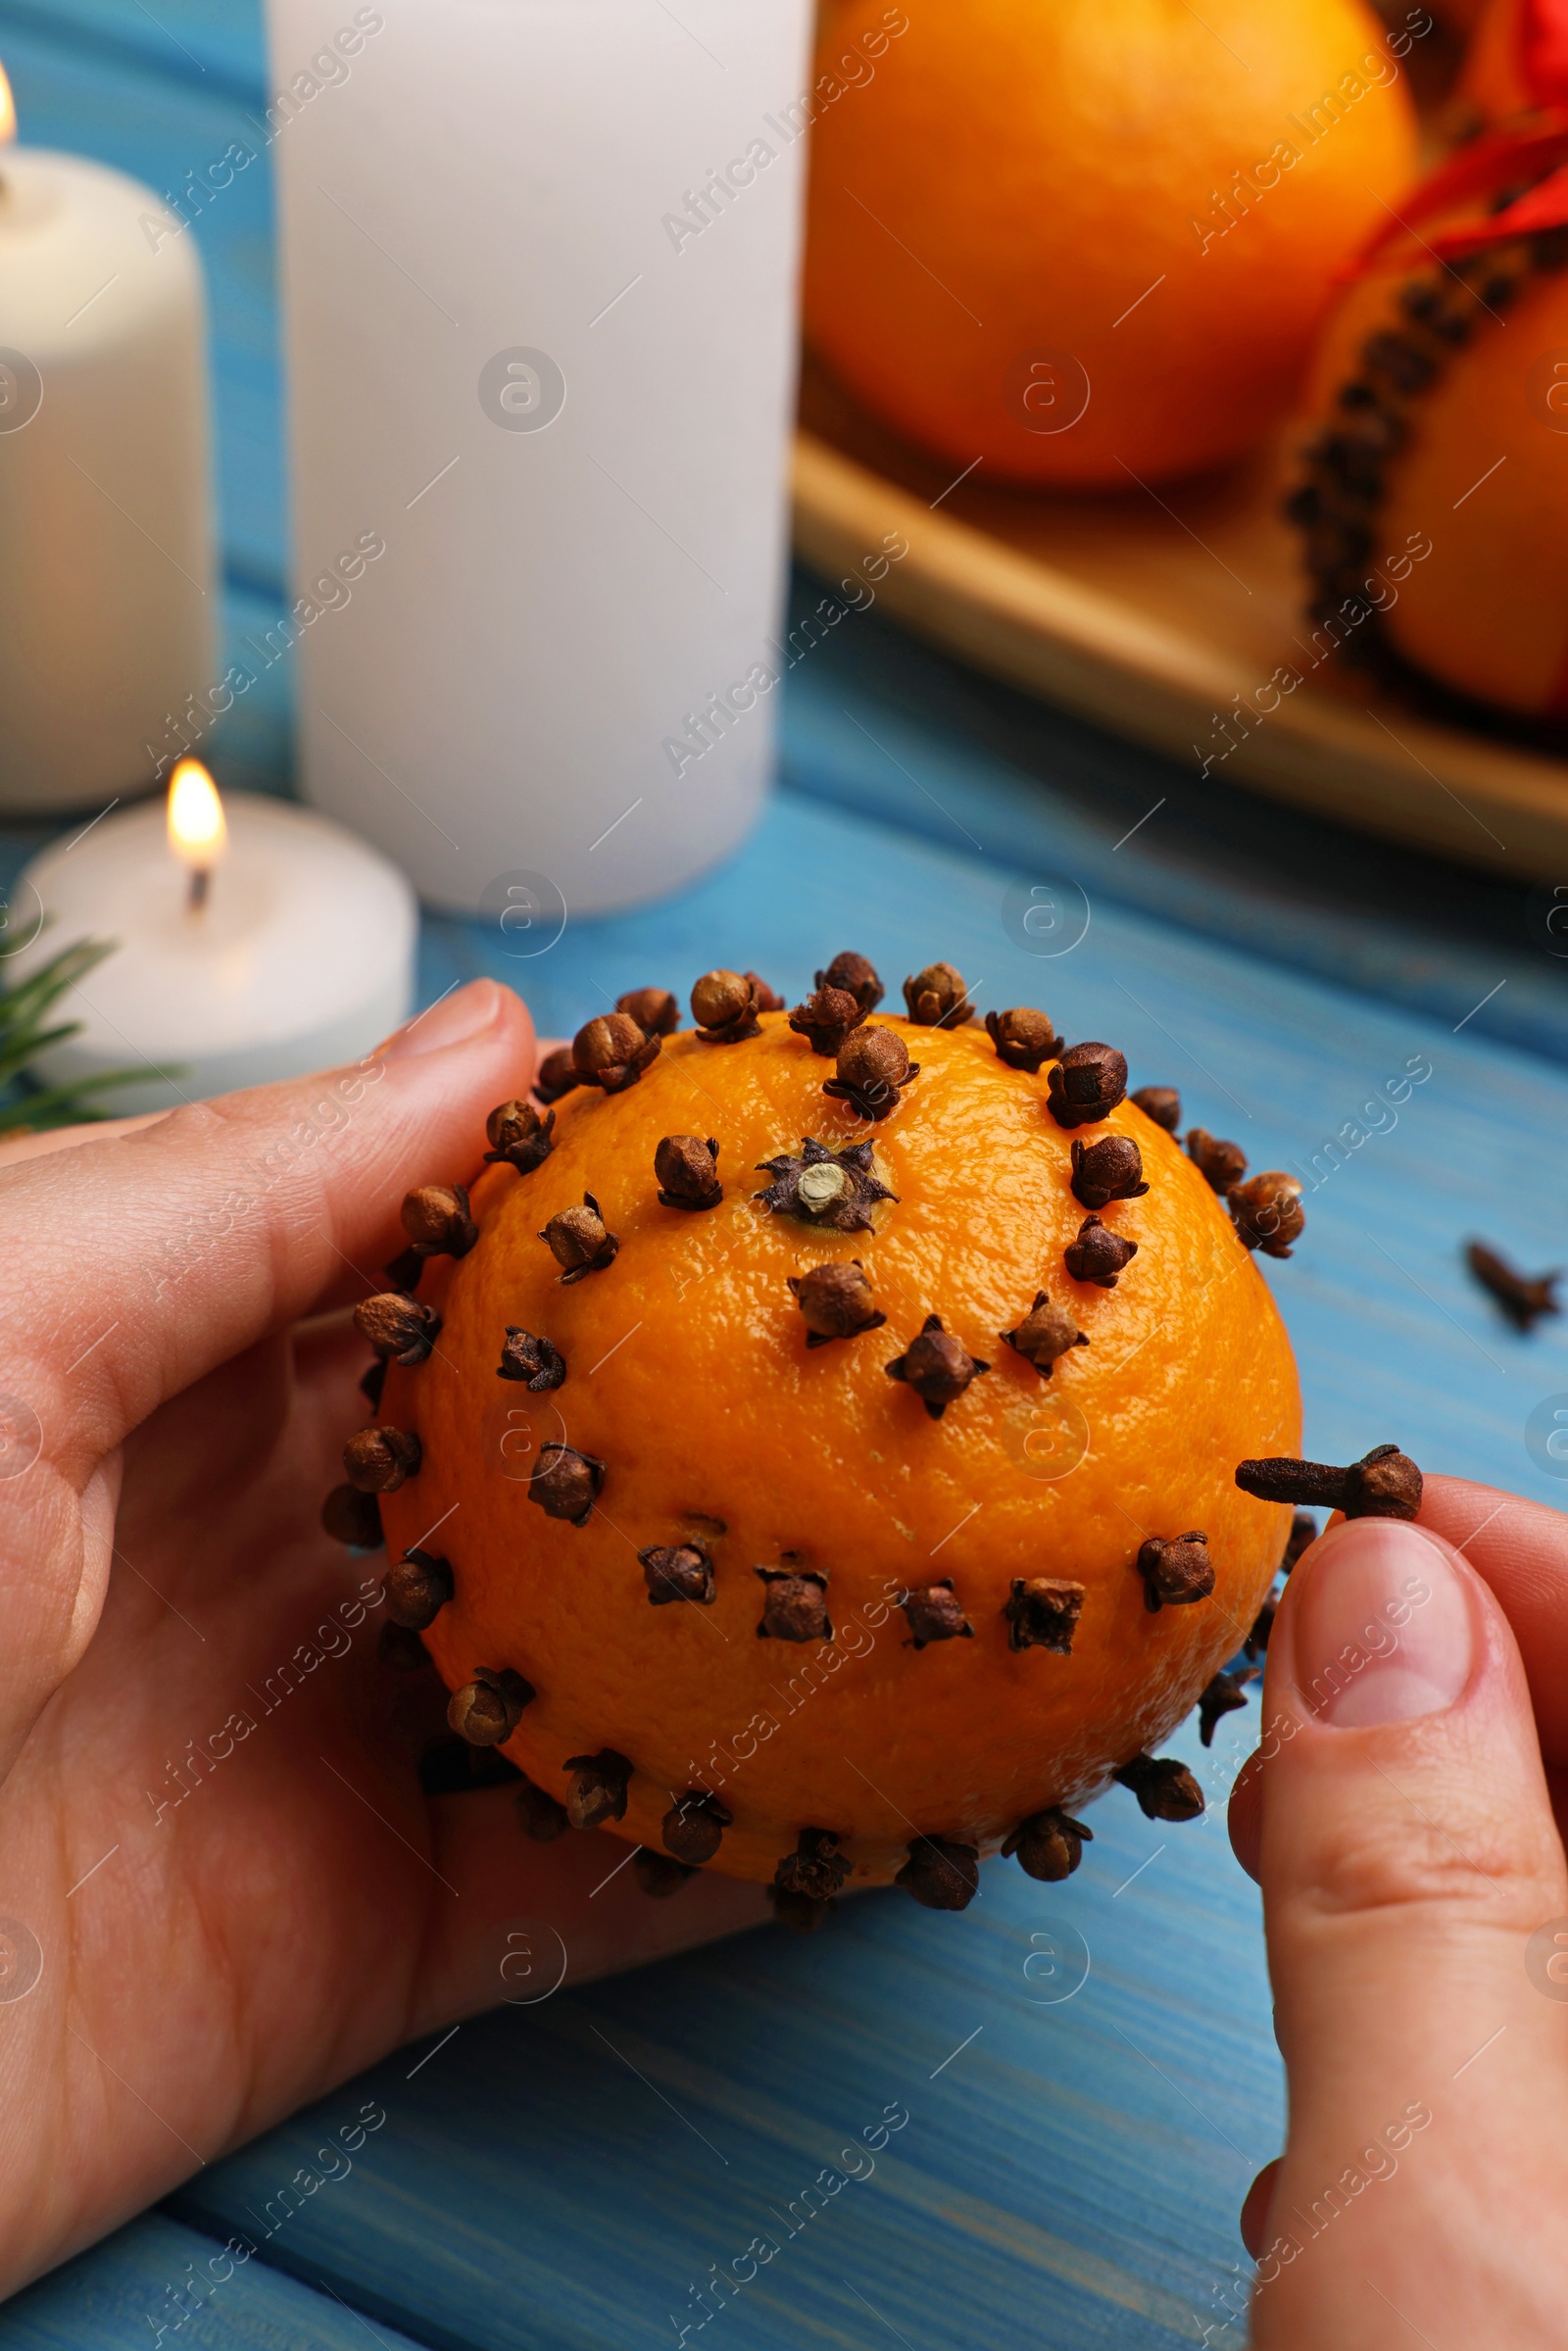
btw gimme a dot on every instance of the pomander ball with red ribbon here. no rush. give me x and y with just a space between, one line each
1433 501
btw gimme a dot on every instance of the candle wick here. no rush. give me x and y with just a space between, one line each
200 882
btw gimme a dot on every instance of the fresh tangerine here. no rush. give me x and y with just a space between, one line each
1083 243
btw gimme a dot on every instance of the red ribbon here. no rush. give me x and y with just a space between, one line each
1535 148
1542 50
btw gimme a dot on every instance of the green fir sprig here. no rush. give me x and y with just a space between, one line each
28 1027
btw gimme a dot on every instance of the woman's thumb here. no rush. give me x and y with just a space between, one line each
1408 1855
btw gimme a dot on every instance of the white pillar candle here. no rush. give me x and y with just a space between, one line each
539 267
296 952
107 595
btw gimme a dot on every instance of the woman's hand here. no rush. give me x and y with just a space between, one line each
224 1888
1404 1816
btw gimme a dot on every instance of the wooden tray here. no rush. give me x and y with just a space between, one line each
1151 614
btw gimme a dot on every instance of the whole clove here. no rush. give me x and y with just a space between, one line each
940 1874
836 1301
598 1789
1161 1103
557 1074
937 998
724 1007
1269 1212
398 1327
519 1137
1177 1570
534 1361
1045 1335
1222 1696
826 1018
932 1612
1107 1170
612 1052
694 1827
763 998
685 1167
836 1190
873 1070
680 1571
1406 365
352 1516
1023 1037
380 1460
1099 1254
857 977
1384 1484
655 1011
1523 1298
566 1483
660 1874
373 1382
542 1818
1220 1165
1166 1789
817 1869
1086 1084
938 1367
404 1269
437 1221
793 1607
489 1708
1042 1613
580 1242
418 1589
1049 1844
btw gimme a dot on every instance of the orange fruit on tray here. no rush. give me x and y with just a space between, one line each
1080 242
708 1574
1435 498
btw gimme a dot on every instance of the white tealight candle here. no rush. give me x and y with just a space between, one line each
252 940
107 596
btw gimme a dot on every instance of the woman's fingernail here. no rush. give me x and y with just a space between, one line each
1384 1630
452 1020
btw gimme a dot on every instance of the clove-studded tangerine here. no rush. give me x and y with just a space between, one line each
746 1602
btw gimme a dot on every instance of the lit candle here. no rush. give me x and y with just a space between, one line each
252 940
198 831
107 593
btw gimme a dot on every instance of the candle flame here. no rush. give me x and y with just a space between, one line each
8 111
197 830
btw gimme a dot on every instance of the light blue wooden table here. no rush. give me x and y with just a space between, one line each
1071 2169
